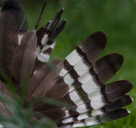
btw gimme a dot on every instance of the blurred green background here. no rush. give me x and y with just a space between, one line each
115 17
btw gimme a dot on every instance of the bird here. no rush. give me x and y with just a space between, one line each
78 83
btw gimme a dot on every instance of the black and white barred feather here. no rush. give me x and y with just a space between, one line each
79 82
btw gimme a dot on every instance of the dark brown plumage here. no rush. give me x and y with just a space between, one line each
78 82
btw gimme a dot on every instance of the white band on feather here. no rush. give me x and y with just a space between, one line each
20 36
44 39
82 116
73 58
97 103
68 120
91 121
74 96
43 57
97 112
90 86
46 47
95 95
68 80
63 72
81 68
67 113
71 88
78 125
85 78
81 108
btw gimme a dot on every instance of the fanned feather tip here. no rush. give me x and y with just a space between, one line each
78 85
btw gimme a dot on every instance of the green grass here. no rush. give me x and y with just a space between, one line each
115 17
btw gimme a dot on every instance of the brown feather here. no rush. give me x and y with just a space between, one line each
8 40
29 56
55 114
24 57
62 88
15 67
48 81
4 92
39 75
56 93
93 46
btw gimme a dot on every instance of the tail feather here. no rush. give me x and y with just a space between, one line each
55 21
81 85
91 47
125 101
46 38
54 114
4 92
94 120
77 83
48 48
40 74
93 78
108 94
47 82
16 9
24 58
85 52
90 84
45 32
8 40
56 31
